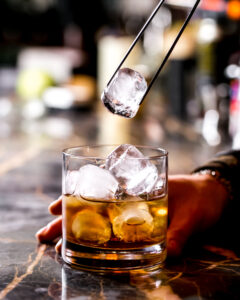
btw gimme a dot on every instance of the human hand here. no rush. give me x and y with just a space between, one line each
196 203
53 230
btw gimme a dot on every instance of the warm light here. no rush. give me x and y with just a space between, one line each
112 256
210 127
162 211
232 71
233 9
213 5
208 31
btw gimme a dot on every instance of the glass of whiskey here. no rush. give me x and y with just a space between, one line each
114 207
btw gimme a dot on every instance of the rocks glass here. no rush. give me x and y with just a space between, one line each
114 207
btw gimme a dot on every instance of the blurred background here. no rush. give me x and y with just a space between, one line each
56 57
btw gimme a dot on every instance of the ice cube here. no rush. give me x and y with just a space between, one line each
159 185
134 223
95 183
71 182
124 93
115 209
135 173
90 226
158 188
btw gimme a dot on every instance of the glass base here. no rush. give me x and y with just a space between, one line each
103 260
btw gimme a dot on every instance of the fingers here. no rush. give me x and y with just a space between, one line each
178 233
55 208
50 232
58 246
183 213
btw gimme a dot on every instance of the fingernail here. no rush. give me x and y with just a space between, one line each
40 232
50 207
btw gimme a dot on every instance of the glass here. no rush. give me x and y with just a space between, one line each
118 233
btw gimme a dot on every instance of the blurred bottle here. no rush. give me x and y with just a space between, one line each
181 66
111 49
127 17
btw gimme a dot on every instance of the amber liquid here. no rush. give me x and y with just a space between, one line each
118 225
115 236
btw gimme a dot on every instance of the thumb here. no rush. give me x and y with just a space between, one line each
178 233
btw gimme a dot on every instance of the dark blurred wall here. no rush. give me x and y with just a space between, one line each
45 22
24 22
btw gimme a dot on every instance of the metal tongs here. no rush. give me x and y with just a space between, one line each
169 51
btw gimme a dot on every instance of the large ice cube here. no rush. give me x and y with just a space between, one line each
115 209
159 188
135 173
124 93
134 223
95 183
90 226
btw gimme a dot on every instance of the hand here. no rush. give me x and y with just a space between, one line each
53 230
196 203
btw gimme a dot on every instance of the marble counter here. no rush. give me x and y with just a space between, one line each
30 178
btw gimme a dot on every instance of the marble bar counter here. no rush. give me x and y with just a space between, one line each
30 178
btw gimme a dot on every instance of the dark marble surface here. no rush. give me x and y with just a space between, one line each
30 178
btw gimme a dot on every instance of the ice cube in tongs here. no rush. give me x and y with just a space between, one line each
127 88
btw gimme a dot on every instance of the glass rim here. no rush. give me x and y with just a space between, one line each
164 153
